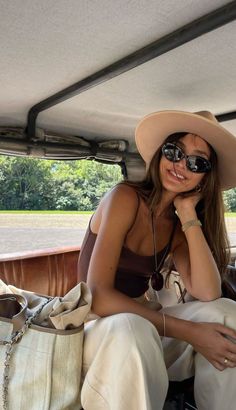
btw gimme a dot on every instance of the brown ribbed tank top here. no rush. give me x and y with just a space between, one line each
133 271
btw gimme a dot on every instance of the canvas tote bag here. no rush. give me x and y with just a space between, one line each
41 342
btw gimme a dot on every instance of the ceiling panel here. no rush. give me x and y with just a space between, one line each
198 75
48 45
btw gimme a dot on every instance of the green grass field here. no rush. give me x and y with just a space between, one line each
47 212
227 214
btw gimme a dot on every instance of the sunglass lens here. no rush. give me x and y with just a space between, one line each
198 164
194 164
172 152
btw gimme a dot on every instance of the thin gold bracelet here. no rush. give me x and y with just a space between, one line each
164 324
193 222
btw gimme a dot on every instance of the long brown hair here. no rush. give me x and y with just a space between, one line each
210 209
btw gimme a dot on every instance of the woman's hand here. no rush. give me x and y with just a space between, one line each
186 201
210 339
185 205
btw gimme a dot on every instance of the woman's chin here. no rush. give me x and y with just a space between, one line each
175 189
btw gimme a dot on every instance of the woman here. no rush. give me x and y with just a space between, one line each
135 345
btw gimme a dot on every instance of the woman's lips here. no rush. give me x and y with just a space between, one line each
176 176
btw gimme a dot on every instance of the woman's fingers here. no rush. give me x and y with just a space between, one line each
223 364
229 352
225 358
229 344
218 366
217 344
230 364
229 360
231 357
227 331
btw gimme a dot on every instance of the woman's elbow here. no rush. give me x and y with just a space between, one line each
209 295
99 300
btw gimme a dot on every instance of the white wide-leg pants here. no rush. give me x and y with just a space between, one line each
127 365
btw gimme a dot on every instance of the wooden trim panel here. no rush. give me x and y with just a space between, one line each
50 272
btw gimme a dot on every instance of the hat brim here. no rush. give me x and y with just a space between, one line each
153 129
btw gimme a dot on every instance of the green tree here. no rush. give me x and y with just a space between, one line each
230 200
79 185
94 180
29 183
25 183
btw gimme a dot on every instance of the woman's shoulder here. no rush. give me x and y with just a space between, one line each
118 206
123 193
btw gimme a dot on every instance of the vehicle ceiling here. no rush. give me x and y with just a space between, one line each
48 45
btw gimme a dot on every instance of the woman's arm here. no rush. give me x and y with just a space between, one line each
111 226
193 258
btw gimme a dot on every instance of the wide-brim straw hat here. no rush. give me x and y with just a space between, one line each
154 128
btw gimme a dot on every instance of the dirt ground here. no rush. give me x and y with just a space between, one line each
72 221
26 232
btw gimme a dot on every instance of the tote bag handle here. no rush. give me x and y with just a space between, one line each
13 306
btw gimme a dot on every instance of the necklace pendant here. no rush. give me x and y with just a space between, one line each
157 281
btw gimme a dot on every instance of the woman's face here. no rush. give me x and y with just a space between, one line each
175 176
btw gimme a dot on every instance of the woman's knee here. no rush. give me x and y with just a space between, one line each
130 328
117 348
222 310
127 330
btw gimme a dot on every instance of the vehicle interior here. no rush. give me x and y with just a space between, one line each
77 76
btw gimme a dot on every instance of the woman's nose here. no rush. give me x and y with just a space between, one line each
181 164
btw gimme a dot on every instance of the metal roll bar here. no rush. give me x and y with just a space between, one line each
188 32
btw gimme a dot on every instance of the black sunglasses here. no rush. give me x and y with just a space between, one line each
194 163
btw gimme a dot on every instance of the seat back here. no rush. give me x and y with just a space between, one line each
49 272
